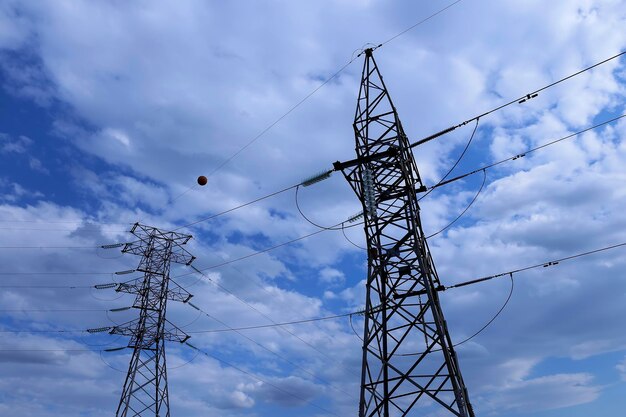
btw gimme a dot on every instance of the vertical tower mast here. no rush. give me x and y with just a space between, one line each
145 391
409 362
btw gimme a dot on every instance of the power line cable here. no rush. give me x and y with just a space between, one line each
278 355
464 211
50 247
333 76
286 323
241 300
506 302
524 98
521 99
343 231
238 207
252 254
39 310
441 183
467 145
540 265
47 286
270 294
60 230
418 23
294 107
544 264
442 288
97 286
82 222
338 226
104 246
56 273
479 331
523 154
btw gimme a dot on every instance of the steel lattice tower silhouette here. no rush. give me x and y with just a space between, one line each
409 362
145 391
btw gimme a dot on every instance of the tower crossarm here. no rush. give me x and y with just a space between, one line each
174 292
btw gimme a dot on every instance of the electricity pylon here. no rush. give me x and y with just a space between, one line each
145 391
409 363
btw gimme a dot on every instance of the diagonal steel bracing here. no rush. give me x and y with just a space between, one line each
410 367
145 391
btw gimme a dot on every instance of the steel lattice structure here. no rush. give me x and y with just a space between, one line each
145 391
409 364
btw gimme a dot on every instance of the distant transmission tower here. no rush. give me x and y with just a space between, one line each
145 390
409 364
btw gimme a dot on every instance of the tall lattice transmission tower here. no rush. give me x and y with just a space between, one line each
409 364
145 391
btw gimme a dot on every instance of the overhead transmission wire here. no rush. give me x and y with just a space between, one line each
241 300
291 187
50 247
338 225
457 178
530 150
59 230
441 183
85 222
325 82
510 273
103 246
259 252
467 339
270 294
484 171
279 324
278 355
52 310
521 99
544 264
451 223
467 145
495 316
426 19
274 123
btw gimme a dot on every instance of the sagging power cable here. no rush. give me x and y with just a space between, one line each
482 185
467 145
523 154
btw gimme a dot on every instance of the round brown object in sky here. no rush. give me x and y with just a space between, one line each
202 180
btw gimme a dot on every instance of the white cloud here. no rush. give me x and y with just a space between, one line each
18 145
544 393
332 276
621 368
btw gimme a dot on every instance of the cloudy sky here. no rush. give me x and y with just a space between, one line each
109 111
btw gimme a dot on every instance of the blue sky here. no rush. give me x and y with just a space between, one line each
109 111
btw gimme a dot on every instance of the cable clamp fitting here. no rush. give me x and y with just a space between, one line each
528 97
